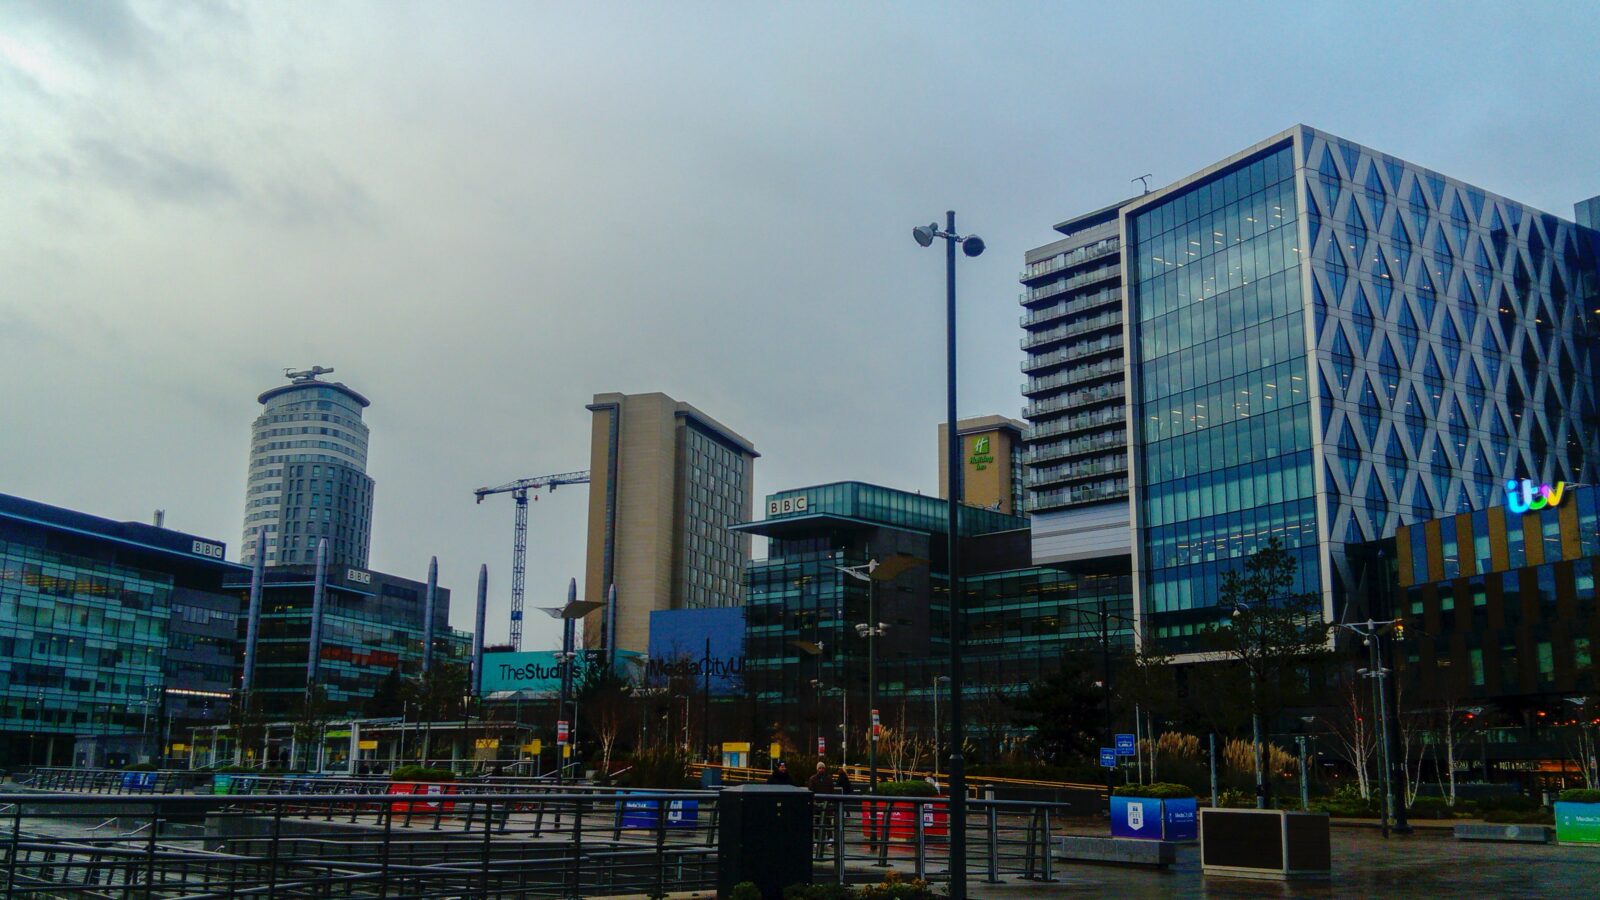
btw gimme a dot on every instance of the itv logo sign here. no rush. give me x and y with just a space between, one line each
1524 496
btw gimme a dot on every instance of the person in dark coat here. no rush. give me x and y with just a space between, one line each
842 785
819 783
780 774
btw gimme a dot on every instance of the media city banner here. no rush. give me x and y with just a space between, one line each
689 643
538 673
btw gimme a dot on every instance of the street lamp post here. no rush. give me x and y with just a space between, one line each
972 245
872 629
1375 670
938 680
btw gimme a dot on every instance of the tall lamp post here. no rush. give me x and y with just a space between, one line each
971 245
569 614
871 629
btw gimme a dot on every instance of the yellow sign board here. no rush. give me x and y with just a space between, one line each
566 751
180 748
776 750
536 746
366 745
736 747
486 743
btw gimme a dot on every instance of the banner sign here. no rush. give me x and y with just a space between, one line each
1108 757
1126 744
561 733
689 644
537 673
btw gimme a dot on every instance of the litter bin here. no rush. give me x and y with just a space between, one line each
711 777
764 837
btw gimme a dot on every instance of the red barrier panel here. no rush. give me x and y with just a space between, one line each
421 788
900 820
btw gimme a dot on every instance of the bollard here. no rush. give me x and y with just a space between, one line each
764 837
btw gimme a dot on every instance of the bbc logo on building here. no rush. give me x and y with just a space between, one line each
357 576
213 551
786 505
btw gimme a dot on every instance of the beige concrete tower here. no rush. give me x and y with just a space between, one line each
991 452
666 482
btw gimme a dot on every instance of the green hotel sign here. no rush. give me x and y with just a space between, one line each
981 456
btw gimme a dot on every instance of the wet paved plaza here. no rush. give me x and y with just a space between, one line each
1429 863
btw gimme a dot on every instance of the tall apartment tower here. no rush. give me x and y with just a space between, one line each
1077 457
666 482
991 455
1325 343
308 474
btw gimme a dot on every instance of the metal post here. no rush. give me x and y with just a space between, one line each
568 639
1213 754
872 688
936 728
314 649
705 723
1138 754
958 771
253 621
427 613
477 631
1383 718
1305 794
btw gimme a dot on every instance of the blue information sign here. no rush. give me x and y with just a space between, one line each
1108 757
1125 745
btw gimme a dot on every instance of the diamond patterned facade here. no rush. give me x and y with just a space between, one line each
1441 341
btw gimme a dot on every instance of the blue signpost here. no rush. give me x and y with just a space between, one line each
1126 744
1108 757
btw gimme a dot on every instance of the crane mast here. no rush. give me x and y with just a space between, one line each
519 539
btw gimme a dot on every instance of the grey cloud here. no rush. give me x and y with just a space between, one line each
110 29
155 174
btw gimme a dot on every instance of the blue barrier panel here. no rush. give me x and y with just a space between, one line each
646 813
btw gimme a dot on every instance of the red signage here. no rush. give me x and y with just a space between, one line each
561 733
822 746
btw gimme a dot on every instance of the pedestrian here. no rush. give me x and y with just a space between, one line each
780 774
820 782
842 785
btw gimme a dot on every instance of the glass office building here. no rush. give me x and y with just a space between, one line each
90 612
372 625
1325 343
806 666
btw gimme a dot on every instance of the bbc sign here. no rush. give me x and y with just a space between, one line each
786 506
207 549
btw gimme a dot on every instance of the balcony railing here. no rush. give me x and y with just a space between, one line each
1082 326
1082 421
1112 391
1077 445
1071 352
1111 464
1078 304
1034 295
1071 258
1083 493
1074 375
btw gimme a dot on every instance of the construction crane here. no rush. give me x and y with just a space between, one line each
519 546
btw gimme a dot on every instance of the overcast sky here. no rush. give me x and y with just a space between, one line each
483 213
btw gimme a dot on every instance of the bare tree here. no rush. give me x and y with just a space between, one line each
1354 728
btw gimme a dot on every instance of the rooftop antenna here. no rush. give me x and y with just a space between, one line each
305 375
1143 180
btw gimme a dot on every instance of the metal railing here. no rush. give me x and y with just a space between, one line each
109 781
449 843
862 837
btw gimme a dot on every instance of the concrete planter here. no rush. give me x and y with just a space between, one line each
1264 843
